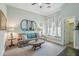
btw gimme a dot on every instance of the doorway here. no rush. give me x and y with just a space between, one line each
69 32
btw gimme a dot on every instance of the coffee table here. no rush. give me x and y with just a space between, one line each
36 43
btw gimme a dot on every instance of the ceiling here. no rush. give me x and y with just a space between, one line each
36 9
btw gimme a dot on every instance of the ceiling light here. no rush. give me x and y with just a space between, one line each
40 4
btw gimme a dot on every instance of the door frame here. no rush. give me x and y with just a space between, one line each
74 18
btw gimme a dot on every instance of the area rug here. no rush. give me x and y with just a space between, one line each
68 51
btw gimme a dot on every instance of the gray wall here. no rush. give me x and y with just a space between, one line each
15 16
3 7
69 10
2 33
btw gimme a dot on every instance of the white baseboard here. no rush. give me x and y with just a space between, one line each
76 47
2 52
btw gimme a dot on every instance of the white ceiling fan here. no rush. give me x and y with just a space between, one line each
41 4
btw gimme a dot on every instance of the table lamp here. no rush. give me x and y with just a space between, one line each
10 30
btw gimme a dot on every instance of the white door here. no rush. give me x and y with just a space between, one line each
66 33
69 31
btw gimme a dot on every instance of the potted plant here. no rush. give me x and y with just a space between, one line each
77 31
77 27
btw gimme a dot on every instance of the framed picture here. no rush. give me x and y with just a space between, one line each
3 21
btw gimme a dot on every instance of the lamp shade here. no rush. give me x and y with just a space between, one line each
10 29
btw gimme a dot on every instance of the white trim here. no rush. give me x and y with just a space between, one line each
76 47
74 18
75 37
54 40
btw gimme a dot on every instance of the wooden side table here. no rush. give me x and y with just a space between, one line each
11 39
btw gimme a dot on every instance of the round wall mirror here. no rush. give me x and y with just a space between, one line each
23 25
27 25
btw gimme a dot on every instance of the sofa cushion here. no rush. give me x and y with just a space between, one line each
31 35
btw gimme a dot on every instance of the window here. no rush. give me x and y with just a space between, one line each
54 26
59 27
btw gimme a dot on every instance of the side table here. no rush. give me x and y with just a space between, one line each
11 40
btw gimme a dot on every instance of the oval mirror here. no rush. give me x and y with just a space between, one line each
27 25
24 25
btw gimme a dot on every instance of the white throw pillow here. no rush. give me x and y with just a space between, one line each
25 36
